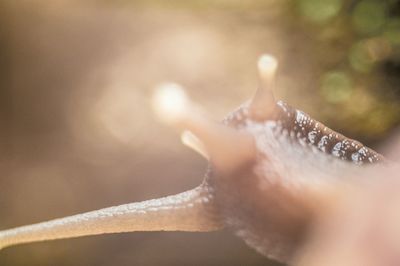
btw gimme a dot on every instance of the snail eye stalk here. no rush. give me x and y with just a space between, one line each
263 102
218 143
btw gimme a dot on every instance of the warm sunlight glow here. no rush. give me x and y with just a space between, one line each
267 65
170 102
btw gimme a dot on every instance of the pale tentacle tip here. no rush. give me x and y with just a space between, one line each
263 101
224 146
170 102
190 140
267 65
172 106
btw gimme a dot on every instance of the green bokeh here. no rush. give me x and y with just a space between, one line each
336 86
369 16
319 11
359 57
392 31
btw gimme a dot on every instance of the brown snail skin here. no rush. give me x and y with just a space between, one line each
268 165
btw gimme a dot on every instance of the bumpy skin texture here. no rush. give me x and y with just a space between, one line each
265 201
192 211
311 132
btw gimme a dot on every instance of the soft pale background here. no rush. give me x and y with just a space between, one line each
78 133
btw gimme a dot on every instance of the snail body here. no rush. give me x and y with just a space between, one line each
267 160
267 202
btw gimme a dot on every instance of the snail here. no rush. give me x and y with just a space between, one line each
266 161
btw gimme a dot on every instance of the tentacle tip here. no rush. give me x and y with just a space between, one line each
170 102
267 65
191 140
263 101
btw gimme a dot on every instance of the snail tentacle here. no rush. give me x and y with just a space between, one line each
192 211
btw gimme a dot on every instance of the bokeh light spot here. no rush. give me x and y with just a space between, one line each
392 31
115 110
169 102
369 16
378 48
319 11
336 86
360 57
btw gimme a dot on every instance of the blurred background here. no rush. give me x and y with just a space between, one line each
77 132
